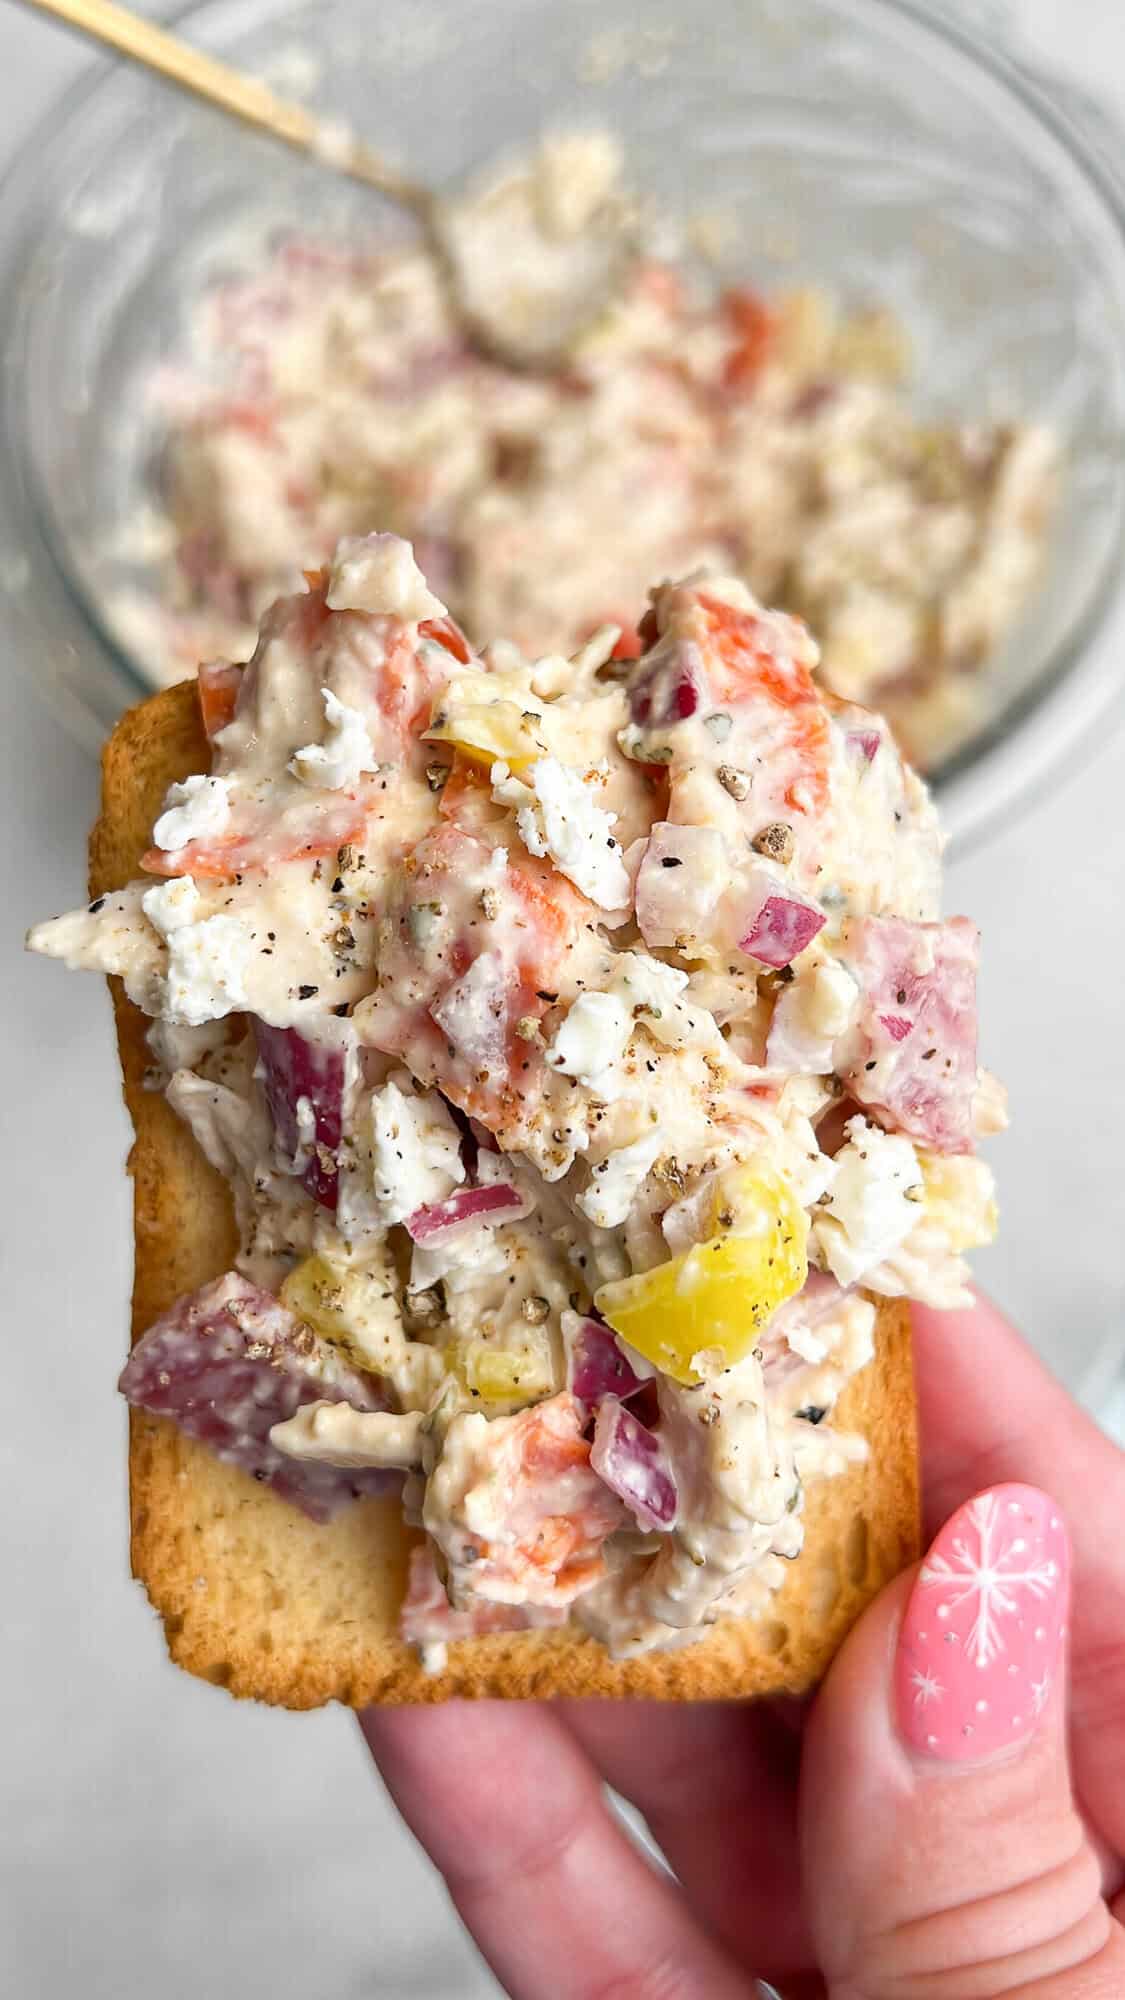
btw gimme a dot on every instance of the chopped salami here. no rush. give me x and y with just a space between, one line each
297 1072
228 1362
912 1059
778 922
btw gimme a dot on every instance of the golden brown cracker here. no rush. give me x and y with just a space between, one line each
269 1604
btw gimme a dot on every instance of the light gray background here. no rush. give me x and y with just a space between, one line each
157 1840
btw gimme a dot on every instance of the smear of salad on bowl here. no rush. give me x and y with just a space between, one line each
331 390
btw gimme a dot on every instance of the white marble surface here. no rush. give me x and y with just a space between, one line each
157 1839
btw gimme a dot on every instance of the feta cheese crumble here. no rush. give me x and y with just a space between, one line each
654 993
207 957
872 1201
810 1016
617 1180
306 1135
378 573
591 1041
340 760
171 905
556 815
415 1150
197 809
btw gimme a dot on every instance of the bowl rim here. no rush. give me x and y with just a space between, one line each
1043 732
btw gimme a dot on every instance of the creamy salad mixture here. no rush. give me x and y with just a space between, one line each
586 1052
334 391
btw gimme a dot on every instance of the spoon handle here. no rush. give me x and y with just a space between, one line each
230 90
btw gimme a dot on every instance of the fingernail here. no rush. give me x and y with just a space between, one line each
983 1640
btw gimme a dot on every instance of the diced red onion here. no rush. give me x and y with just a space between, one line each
781 926
865 742
229 1362
293 1067
670 685
633 1463
442 1222
645 1405
596 1367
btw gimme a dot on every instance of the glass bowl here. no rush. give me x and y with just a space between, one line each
866 145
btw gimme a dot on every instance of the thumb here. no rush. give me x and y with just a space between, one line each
942 1852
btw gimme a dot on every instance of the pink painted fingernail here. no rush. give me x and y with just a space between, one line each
983 1640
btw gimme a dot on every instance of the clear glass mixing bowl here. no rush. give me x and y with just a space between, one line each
864 144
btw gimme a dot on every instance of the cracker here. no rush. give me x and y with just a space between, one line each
259 1599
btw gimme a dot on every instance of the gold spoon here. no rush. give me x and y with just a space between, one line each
524 286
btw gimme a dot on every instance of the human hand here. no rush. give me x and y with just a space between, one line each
903 1842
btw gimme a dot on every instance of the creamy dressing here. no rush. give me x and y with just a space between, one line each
335 1434
489 982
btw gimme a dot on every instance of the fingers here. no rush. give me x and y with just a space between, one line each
716 1783
557 1897
990 1411
942 1850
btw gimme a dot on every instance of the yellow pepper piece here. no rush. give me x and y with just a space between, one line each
316 1292
490 718
499 1376
714 1301
354 1306
959 1198
744 1201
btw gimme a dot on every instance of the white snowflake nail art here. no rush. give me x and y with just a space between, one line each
984 1630
927 1688
984 1568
